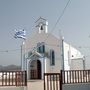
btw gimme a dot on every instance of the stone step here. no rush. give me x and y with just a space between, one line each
35 85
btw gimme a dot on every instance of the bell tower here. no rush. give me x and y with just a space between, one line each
42 25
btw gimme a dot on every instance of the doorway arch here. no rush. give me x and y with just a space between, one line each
35 69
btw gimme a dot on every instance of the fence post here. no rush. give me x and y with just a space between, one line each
61 80
44 81
25 78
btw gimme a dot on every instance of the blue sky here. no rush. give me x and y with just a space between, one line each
22 14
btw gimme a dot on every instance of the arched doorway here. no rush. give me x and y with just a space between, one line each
35 69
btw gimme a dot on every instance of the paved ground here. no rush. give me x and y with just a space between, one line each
35 85
31 85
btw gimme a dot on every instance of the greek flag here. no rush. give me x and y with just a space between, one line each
20 34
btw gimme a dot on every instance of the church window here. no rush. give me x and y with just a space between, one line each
29 54
41 47
52 57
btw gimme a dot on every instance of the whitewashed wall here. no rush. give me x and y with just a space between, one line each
73 59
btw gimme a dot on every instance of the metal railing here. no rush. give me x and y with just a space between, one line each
13 78
52 81
75 76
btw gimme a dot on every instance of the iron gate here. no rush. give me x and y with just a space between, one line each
52 81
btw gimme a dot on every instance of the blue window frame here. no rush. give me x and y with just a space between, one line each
52 57
41 47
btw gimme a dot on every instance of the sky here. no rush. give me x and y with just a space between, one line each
22 14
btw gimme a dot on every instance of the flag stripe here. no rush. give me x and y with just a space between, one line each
20 34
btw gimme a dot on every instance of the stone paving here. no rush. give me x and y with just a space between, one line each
35 85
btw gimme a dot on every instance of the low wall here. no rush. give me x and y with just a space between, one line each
13 88
77 86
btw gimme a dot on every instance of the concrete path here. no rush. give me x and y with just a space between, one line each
35 85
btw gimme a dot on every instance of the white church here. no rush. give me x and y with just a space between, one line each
45 53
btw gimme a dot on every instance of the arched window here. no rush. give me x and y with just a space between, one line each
41 47
52 57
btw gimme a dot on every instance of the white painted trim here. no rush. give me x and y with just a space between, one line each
42 67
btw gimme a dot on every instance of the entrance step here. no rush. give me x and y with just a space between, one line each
35 85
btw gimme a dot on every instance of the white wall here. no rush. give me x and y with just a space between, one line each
77 64
72 58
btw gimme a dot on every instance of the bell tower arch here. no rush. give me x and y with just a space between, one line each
42 25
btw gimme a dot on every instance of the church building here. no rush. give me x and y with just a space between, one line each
45 53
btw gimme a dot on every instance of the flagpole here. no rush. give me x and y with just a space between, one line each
21 34
24 54
21 59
